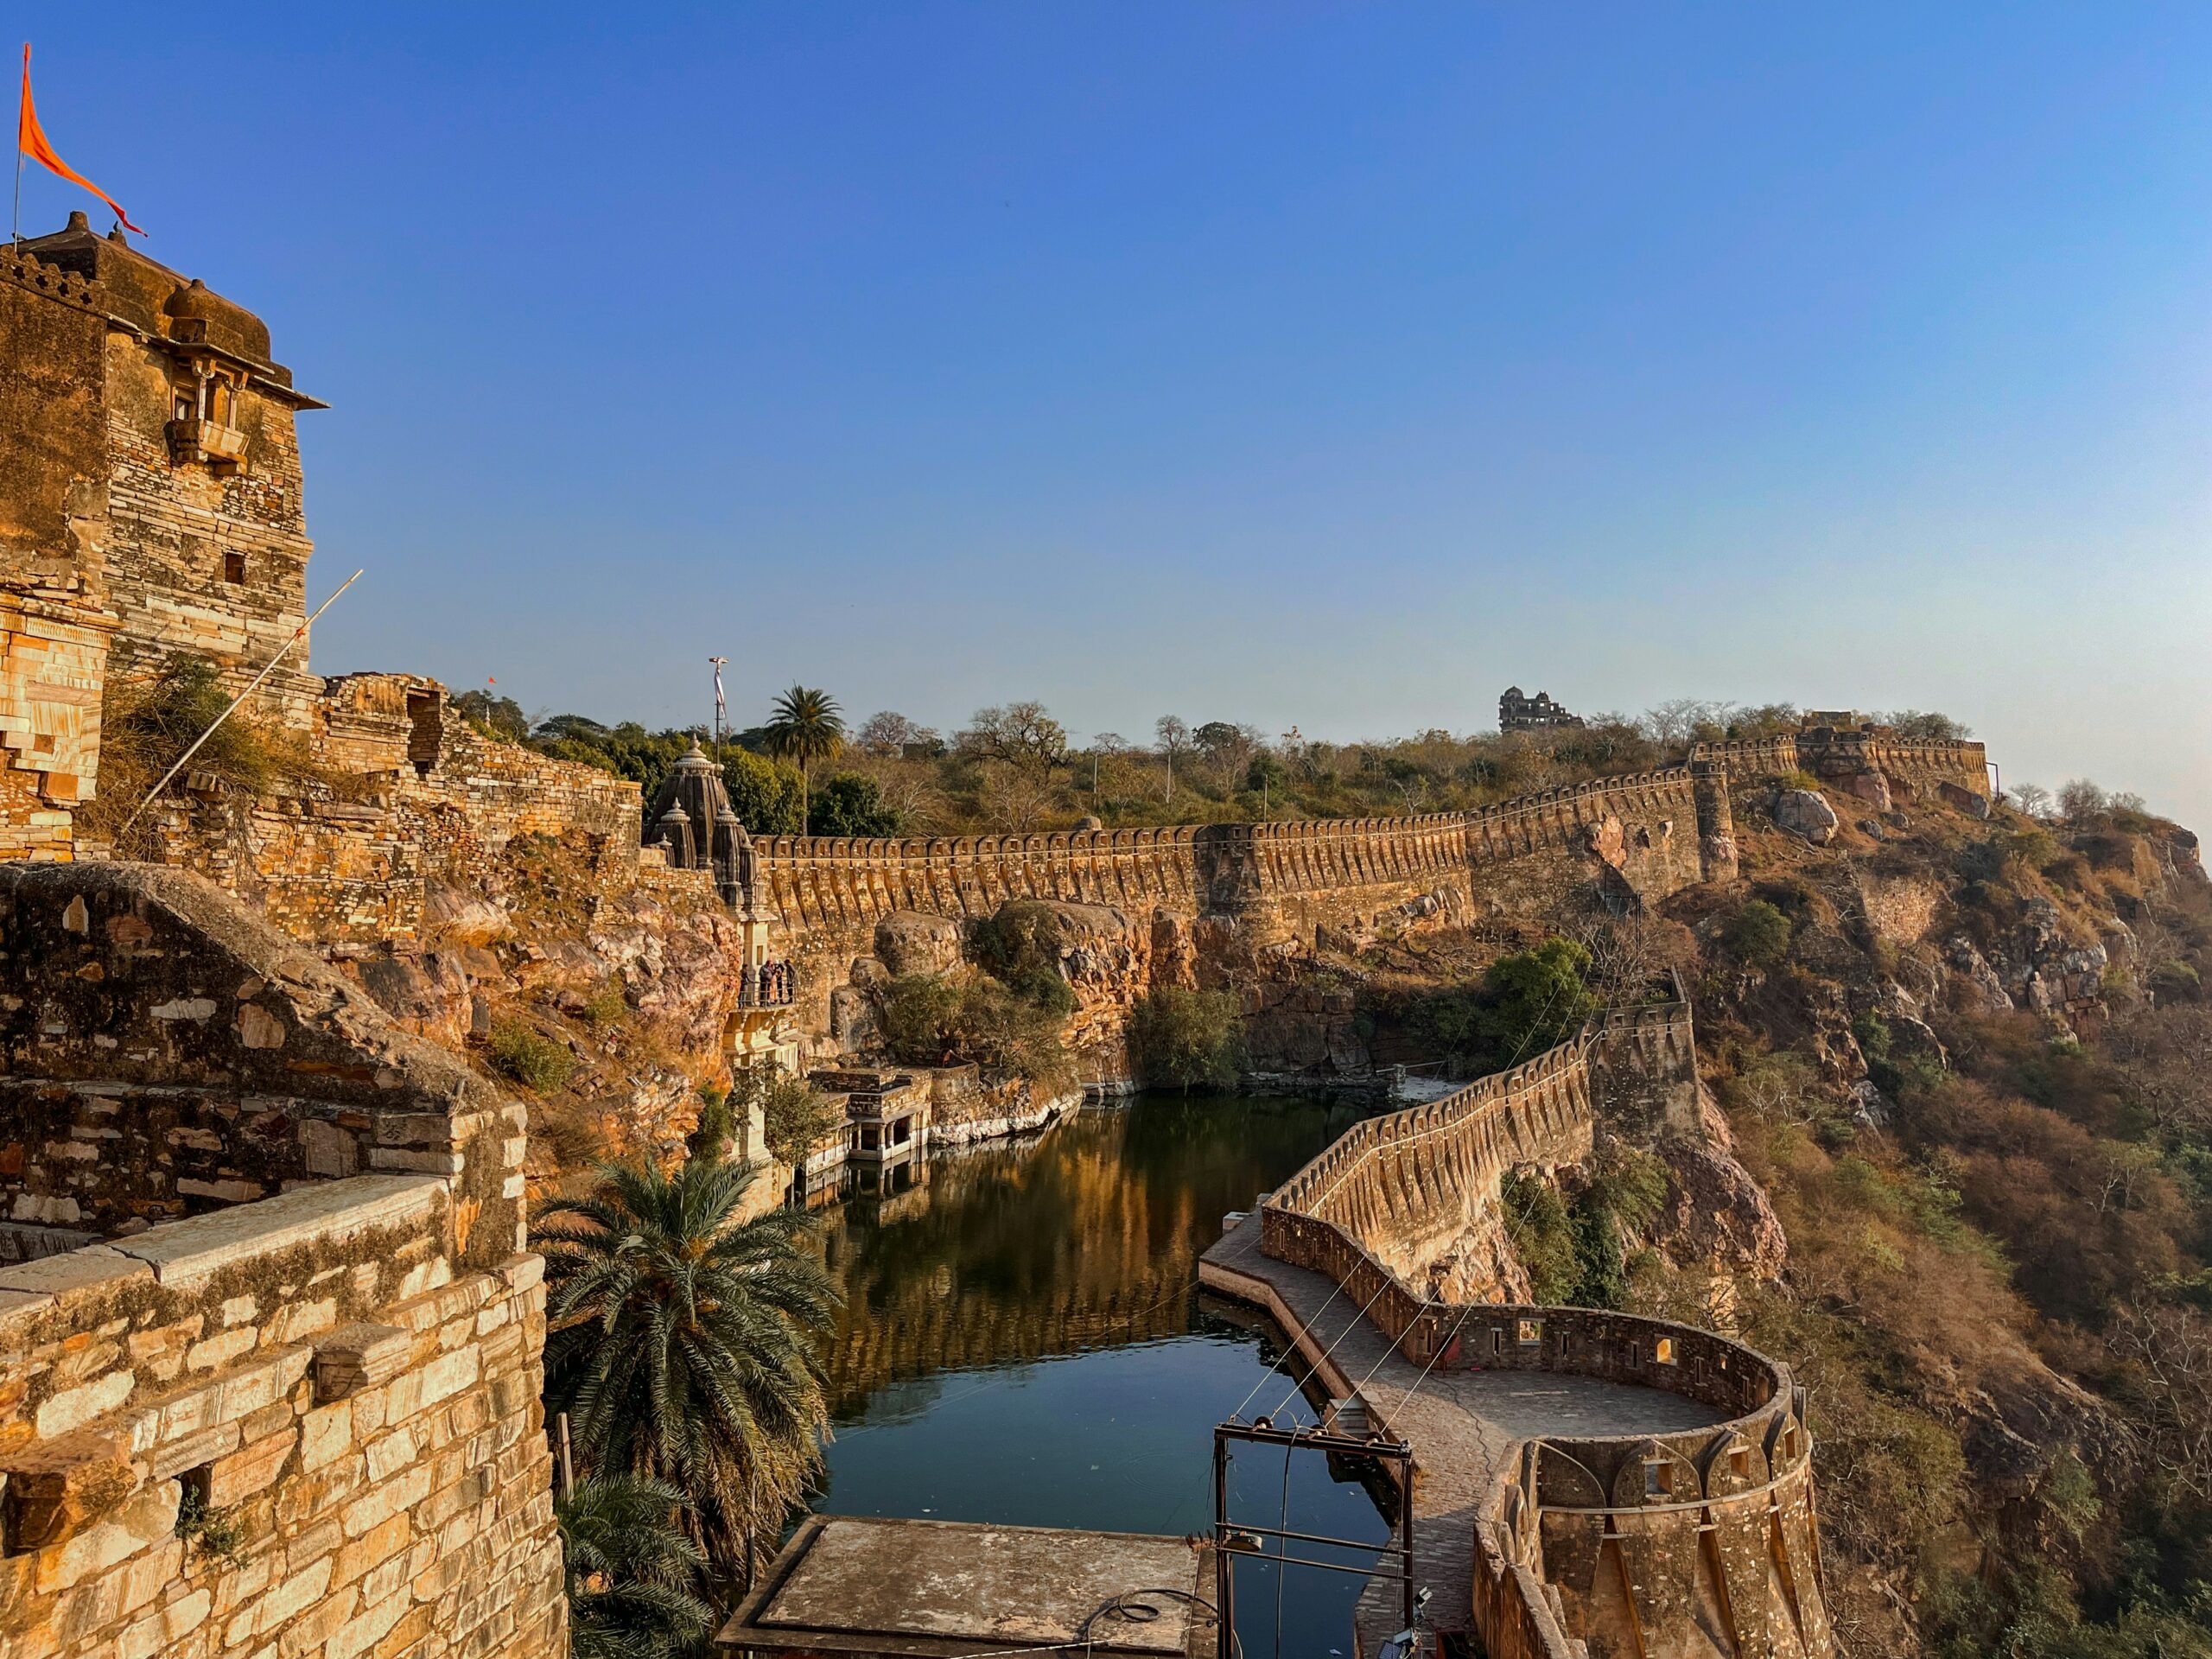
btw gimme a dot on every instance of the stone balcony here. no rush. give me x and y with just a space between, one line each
220 447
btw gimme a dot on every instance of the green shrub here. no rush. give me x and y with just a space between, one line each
1872 1032
1020 946
494 717
765 794
850 804
717 1124
1525 1003
535 1061
928 1019
2176 982
607 1005
147 722
1542 1231
1757 935
917 1012
209 1534
1189 1038
796 1117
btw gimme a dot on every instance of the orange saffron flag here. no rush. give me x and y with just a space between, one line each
30 140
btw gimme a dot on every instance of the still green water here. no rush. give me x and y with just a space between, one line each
1022 1342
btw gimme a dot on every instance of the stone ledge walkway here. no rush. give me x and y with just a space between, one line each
1463 1425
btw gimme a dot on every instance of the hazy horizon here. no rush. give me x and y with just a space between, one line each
1329 365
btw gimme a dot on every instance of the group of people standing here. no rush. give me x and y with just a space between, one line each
770 983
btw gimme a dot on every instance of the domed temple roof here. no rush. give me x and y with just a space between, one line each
691 815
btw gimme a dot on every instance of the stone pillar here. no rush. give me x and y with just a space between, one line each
1716 823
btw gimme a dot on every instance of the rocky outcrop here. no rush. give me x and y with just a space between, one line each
909 942
1294 1026
1806 812
965 1107
1480 1265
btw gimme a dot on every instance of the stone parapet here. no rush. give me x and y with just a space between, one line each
300 1411
1606 1545
180 1479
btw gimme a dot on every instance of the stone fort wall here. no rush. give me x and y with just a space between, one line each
346 1372
1701 1540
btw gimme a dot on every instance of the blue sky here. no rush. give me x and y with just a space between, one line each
1334 364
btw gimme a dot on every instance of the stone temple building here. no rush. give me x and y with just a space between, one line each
692 826
1519 713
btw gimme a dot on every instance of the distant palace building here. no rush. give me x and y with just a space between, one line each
1518 712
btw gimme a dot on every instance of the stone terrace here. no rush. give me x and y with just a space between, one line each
1466 1427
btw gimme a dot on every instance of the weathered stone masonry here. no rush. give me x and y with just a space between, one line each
347 1372
1699 1541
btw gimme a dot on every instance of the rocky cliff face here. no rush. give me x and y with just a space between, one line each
619 999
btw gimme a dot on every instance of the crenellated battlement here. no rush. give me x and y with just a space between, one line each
1651 1540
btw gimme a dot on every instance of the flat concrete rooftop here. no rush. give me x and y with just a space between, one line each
854 1585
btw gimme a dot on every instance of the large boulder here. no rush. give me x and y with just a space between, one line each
911 942
1963 800
1806 812
456 917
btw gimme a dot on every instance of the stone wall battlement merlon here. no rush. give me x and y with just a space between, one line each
28 271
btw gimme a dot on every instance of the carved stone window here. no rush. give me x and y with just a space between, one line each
234 567
205 428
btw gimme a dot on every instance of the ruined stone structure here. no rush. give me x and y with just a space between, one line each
1517 712
290 1400
1686 1532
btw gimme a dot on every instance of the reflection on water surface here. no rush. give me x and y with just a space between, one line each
1022 1342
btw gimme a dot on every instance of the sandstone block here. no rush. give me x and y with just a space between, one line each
293 1597
56 1489
141 1520
250 1469
356 1357
387 1540
366 1629
325 1435
73 1408
384 1501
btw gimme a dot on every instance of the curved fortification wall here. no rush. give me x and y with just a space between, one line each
1658 831
1697 1542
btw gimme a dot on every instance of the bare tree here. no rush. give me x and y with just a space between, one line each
1228 749
2169 1350
1174 739
2031 798
2080 800
1017 798
1679 719
886 735
1021 734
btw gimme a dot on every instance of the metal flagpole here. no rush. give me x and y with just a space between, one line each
298 634
722 707
16 225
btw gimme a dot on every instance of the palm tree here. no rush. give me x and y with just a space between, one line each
683 1344
806 726
632 1571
